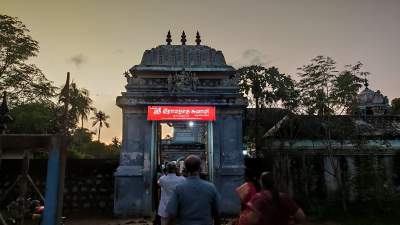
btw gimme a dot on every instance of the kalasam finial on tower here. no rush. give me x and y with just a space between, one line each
198 40
183 39
169 40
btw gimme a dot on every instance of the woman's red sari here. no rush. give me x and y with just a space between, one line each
246 192
262 210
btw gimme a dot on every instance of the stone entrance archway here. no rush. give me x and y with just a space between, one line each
178 75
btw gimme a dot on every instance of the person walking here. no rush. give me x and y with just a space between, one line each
195 201
246 191
168 184
270 207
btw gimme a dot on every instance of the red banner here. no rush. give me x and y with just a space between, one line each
205 113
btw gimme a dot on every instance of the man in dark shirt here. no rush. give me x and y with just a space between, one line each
195 201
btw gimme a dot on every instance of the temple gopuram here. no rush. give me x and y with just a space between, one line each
180 100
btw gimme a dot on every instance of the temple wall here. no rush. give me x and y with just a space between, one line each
228 159
132 182
362 170
89 183
133 178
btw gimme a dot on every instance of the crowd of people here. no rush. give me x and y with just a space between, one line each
190 200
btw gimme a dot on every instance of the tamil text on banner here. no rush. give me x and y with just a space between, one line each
205 113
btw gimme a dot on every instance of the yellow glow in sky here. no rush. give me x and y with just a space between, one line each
98 40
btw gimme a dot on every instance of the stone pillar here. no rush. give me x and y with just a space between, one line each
133 194
228 159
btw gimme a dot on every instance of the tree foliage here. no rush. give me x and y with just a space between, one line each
395 106
266 87
346 86
84 105
326 91
116 144
83 147
316 85
80 104
252 82
24 82
34 118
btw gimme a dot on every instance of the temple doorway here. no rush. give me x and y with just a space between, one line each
174 141
178 139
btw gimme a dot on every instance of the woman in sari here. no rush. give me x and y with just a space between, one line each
270 207
246 191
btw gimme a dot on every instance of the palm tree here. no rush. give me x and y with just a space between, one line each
84 105
100 118
116 144
80 104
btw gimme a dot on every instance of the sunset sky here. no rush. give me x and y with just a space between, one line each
98 40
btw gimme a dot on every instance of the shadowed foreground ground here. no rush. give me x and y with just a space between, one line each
106 219
109 220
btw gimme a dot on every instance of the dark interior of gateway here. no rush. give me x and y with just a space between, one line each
175 140
178 139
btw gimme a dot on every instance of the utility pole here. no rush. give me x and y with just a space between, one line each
63 154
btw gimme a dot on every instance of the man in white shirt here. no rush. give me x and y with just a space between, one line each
168 184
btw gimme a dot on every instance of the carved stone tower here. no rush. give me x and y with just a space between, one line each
371 103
